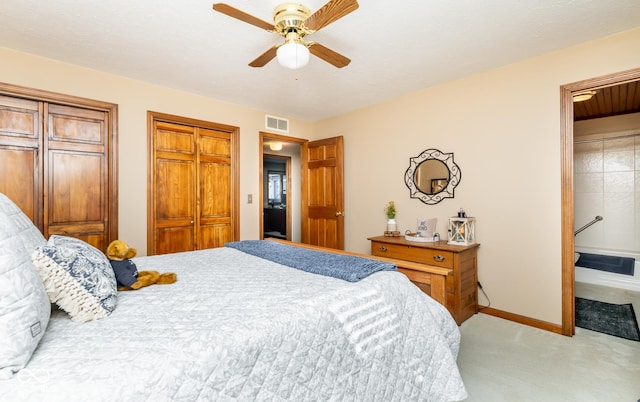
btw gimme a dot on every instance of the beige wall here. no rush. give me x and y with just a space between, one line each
504 128
502 125
134 99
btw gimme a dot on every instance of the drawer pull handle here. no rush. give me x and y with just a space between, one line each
382 248
438 258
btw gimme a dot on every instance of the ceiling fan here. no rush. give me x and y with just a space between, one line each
293 22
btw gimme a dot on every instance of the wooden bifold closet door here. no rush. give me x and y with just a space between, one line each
75 165
21 155
193 187
57 162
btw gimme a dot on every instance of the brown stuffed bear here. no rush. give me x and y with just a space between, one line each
127 275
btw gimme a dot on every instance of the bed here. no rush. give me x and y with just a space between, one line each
235 327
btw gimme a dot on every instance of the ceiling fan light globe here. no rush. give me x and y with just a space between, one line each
293 55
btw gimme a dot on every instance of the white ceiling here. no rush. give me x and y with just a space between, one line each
396 47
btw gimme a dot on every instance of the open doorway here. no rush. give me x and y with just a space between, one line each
280 186
277 200
568 188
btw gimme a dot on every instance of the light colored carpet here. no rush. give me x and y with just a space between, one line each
503 361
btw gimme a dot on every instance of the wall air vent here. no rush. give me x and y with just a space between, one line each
276 123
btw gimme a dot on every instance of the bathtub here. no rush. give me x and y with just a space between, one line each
596 277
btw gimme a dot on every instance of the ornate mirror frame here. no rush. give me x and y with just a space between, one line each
453 179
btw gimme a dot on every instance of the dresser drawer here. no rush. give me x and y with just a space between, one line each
422 255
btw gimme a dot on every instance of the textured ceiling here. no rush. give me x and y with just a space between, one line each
395 47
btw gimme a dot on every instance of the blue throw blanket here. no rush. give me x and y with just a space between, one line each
346 267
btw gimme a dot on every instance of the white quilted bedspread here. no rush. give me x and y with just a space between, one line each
238 328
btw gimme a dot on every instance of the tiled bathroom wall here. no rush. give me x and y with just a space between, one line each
607 183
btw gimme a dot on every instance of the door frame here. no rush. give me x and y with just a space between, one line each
566 175
266 136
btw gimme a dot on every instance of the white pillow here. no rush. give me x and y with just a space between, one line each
24 306
19 224
77 277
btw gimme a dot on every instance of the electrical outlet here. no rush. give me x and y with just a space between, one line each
250 199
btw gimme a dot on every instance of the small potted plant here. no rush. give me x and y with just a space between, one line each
390 211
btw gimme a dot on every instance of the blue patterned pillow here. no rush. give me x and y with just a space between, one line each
77 277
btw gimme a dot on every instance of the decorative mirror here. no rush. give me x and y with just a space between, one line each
432 176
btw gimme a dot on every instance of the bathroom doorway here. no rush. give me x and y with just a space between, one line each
568 188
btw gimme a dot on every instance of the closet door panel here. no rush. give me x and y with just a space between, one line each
215 144
174 188
214 235
174 183
75 181
174 239
70 124
20 164
174 138
76 169
20 117
215 172
215 190
215 208
18 179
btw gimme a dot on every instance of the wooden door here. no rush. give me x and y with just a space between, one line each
76 165
20 159
323 202
58 162
174 188
193 186
215 217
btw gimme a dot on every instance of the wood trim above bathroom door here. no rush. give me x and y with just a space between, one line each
566 151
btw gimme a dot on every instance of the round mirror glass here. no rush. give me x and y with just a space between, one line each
432 176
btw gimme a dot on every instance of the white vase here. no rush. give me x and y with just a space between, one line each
391 225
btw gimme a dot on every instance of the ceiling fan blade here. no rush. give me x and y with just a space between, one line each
329 55
330 12
265 57
242 16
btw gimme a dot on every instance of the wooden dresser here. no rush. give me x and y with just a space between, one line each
461 287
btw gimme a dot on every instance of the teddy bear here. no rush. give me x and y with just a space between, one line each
119 254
